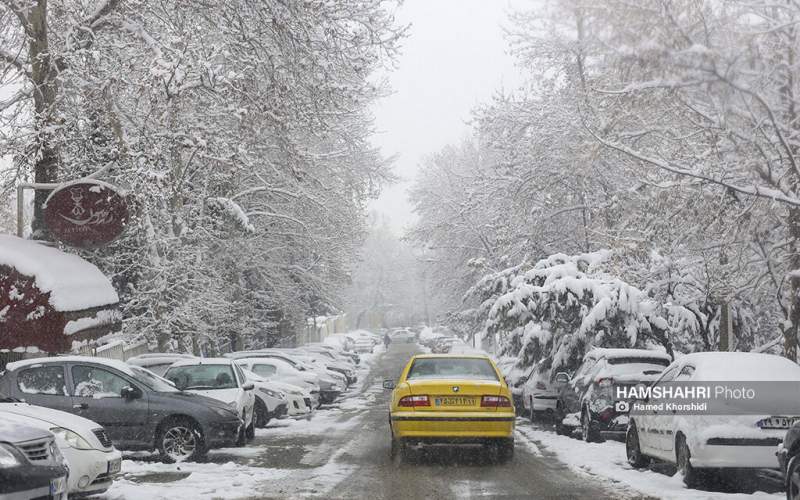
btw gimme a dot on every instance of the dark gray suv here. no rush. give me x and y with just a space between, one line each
139 410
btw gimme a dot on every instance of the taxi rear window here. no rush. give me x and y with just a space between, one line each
463 368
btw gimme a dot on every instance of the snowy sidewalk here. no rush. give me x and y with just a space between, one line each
607 461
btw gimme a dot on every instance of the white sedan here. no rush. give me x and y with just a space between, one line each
540 395
278 399
281 371
221 379
300 403
93 462
705 441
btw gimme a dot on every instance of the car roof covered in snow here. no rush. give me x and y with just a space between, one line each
74 283
751 366
113 363
202 361
604 352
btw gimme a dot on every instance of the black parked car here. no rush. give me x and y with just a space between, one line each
588 400
31 466
139 410
789 460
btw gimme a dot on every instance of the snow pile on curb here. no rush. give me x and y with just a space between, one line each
208 480
608 461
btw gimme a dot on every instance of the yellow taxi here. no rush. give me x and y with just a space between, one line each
447 398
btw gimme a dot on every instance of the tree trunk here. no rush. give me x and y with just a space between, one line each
790 330
43 77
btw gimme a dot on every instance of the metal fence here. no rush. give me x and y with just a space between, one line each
115 350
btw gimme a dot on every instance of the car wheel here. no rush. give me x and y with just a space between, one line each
632 448
588 433
260 416
691 477
180 440
793 479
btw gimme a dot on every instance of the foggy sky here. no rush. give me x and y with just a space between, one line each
454 58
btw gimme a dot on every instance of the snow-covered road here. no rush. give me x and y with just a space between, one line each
343 452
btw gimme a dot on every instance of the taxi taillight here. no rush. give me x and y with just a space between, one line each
412 401
495 402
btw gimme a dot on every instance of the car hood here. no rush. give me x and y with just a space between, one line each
224 395
15 430
286 387
55 418
197 399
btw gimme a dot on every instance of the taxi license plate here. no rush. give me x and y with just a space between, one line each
58 486
115 466
777 422
454 401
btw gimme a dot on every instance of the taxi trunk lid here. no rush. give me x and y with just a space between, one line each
455 395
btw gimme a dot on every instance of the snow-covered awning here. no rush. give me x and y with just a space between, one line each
73 283
50 299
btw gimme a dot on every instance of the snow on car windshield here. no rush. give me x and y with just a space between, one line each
436 368
202 377
152 381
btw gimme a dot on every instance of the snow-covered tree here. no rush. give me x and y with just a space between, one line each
240 130
555 310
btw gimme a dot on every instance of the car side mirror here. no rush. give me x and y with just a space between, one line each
388 384
562 377
130 392
248 386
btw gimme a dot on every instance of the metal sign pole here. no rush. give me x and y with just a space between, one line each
21 201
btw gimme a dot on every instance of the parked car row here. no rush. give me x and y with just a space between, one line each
698 445
64 420
439 340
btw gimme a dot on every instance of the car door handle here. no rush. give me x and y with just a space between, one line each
81 406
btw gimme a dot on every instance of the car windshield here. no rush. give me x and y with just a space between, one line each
459 368
202 377
152 380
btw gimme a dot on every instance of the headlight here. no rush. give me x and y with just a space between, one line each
273 394
336 387
73 439
7 457
225 412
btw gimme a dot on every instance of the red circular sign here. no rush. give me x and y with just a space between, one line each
86 214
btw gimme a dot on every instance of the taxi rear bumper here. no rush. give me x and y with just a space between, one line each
452 425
